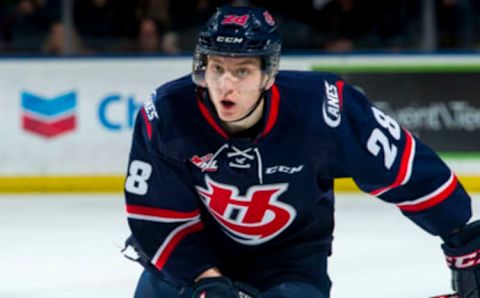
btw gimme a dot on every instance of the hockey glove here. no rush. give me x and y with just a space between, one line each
223 287
462 251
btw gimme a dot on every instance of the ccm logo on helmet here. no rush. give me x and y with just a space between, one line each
229 39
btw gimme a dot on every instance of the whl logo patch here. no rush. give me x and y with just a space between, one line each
252 219
205 163
48 117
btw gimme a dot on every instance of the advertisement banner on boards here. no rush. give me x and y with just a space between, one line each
74 116
441 108
71 117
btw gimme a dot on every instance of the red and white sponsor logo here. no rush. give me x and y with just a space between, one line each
252 219
464 262
205 163
149 113
268 18
332 105
235 20
150 109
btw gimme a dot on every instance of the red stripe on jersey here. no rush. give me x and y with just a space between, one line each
161 213
164 252
432 199
340 85
274 106
206 114
271 120
148 125
405 170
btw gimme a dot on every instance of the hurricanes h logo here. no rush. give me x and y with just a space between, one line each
252 219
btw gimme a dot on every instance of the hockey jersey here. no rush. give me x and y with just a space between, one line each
262 208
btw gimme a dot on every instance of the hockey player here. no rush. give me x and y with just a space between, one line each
229 189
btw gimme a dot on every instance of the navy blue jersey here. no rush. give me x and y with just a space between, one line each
261 208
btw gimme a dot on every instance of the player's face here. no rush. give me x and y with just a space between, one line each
234 84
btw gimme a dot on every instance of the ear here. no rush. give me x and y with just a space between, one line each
269 83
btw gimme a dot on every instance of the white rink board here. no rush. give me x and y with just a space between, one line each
91 148
94 148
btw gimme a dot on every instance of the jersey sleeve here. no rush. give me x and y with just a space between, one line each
162 208
389 162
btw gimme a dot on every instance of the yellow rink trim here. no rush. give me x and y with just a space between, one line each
62 184
113 184
471 184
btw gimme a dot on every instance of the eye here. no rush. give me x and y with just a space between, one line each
242 72
217 69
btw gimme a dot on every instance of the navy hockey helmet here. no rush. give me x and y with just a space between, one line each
238 32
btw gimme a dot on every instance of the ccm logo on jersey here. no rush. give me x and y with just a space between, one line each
284 169
251 219
332 105
229 39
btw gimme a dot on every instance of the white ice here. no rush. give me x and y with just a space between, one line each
68 246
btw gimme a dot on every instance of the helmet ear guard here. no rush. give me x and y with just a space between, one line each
238 32
199 67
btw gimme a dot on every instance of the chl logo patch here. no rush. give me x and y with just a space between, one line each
332 105
252 219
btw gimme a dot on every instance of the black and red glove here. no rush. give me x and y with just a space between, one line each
222 287
462 251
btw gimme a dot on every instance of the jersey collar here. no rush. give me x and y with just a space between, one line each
272 104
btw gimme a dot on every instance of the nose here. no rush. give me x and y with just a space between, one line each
226 82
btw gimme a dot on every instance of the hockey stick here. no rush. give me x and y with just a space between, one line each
447 296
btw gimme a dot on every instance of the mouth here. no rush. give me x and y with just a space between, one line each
227 104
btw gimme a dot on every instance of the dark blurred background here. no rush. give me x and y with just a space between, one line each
145 27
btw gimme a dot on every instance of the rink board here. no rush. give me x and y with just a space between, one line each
67 123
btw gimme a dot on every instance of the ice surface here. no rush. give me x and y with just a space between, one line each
68 246
64 246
